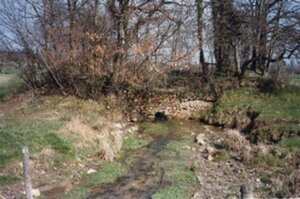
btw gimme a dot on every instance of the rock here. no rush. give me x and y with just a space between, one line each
36 192
134 119
200 139
210 149
187 147
118 126
133 129
210 157
90 171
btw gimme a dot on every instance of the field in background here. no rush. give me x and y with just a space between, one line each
295 80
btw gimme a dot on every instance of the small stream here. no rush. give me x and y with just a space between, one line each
144 178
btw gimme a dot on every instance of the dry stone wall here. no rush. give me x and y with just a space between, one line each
174 106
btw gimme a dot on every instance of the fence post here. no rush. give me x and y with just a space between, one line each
26 173
246 191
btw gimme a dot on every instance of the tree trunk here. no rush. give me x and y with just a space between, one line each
200 37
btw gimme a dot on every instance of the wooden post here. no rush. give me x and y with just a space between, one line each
246 191
26 173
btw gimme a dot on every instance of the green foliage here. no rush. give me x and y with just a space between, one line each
109 173
36 135
7 180
78 193
133 143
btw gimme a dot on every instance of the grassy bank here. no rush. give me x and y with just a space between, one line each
9 83
64 135
270 114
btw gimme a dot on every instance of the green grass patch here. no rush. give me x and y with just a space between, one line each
37 135
133 143
171 193
234 105
182 185
220 156
295 81
9 83
78 193
183 178
281 104
7 180
156 129
267 161
291 143
179 179
108 174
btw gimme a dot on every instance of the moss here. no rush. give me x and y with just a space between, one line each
108 173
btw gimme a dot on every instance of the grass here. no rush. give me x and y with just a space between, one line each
281 104
37 135
171 192
291 143
155 129
295 80
78 193
108 174
180 146
179 180
9 83
10 179
134 143
268 160
279 111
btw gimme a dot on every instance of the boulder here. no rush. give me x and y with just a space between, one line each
200 139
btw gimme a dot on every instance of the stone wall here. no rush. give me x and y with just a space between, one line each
174 106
